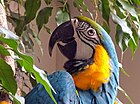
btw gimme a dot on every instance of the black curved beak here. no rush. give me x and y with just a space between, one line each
63 35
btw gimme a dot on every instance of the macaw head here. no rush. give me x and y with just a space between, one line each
84 30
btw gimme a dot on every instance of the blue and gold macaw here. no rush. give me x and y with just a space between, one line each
92 73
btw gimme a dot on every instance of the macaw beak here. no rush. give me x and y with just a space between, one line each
63 35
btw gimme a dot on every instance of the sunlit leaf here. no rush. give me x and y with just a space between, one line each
43 17
10 42
8 33
62 16
129 8
31 7
122 39
105 10
123 25
38 76
7 77
120 12
18 100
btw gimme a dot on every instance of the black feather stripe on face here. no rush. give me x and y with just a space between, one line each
87 34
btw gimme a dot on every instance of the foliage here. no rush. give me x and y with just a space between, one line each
7 78
124 13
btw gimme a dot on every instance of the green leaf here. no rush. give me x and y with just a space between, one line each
18 22
132 45
48 1
122 39
43 17
118 34
4 51
105 10
31 7
13 44
20 25
137 2
80 5
47 29
62 16
129 8
120 12
43 75
35 36
124 45
123 25
28 43
106 27
10 42
124 72
7 77
17 100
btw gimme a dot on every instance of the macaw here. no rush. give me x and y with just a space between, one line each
92 73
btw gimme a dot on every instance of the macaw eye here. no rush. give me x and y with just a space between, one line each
75 21
91 32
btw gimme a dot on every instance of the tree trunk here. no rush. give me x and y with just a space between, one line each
8 59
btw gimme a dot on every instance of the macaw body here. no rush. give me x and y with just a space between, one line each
95 79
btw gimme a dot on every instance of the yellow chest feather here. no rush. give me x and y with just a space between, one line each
96 74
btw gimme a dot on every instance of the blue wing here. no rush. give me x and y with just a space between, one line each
62 83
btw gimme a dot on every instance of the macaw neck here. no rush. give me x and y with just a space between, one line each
101 56
94 75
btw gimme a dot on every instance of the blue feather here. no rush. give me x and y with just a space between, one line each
62 83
